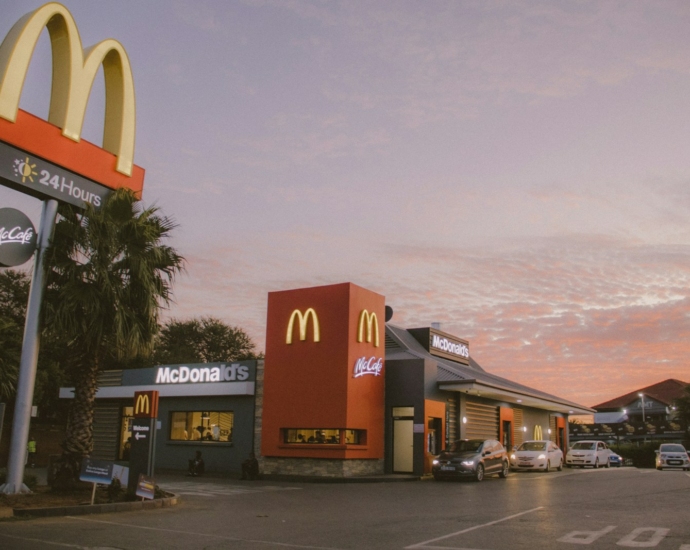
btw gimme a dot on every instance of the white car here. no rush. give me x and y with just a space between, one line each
537 455
588 453
672 455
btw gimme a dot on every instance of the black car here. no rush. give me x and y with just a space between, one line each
472 458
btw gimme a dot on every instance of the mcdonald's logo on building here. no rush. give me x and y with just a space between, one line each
146 404
372 324
303 320
74 70
538 434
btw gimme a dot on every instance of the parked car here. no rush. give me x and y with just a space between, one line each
472 458
588 453
615 460
537 455
672 455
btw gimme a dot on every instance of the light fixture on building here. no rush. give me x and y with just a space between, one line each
524 428
549 431
519 400
464 420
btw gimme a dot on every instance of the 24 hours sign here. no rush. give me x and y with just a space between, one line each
35 176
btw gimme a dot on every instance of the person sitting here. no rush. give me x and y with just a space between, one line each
250 468
196 465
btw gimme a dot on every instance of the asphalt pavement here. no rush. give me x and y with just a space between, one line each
598 509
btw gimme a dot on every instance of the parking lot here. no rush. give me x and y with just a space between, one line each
597 509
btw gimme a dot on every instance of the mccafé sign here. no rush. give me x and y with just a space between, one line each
202 374
17 238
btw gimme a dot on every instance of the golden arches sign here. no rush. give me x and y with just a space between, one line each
372 324
74 70
303 319
142 404
538 434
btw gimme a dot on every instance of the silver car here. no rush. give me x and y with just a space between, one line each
672 455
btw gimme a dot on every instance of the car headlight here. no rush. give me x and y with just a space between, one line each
542 456
467 462
512 457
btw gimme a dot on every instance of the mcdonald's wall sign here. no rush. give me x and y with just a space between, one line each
48 159
146 404
324 368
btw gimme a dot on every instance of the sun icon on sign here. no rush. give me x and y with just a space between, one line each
25 170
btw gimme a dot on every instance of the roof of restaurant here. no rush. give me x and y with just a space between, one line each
400 344
665 392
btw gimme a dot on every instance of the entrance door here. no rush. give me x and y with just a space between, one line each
507 435
403 440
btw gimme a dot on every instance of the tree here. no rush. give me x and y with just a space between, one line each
682 405
14 295
203 340
109 274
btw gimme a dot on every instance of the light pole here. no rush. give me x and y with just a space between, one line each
642 399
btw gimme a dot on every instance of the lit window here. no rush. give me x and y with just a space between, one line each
323 436
203 426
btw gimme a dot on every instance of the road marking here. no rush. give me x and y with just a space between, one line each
198 534
425 543
657 535
192 488
585 537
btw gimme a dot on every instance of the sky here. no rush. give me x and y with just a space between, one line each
516 171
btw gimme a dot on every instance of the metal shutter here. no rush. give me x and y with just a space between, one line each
106 431
518 434
552 426
482 421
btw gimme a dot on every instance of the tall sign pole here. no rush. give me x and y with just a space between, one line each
29 359
48 159
142 450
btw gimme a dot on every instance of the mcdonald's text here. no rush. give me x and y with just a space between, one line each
446 345
372 365
194 375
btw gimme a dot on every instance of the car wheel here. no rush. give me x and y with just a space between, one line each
560 466
596 464
504 472
479 473
608 463
437 478
548 466
659 468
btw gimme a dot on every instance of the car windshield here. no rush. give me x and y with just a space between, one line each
585 446
463 446
532 446
672 449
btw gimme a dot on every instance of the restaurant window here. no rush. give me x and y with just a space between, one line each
126 433
324 436
204 426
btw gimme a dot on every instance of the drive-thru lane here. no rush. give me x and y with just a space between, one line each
596 509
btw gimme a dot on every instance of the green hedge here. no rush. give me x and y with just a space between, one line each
643 456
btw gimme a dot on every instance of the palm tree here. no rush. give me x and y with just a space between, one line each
109 275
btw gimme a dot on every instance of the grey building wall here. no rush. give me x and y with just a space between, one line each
405 384
218 457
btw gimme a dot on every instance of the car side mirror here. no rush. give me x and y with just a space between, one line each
486 453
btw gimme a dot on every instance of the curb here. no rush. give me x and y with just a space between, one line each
333 479
85 509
